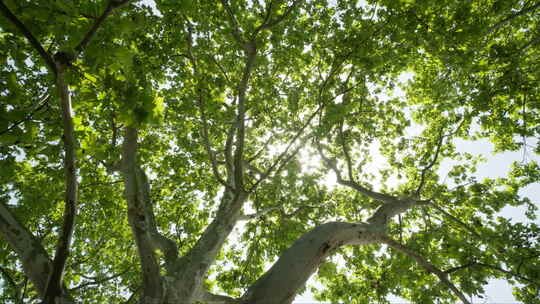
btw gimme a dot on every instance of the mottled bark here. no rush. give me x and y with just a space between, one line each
297 264
55 282
34 258
192 268
152 291
294 267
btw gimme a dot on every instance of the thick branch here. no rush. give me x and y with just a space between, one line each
234 23
151 280
26 32
111 5
158 241
297 264
34 258
428 267
238 127
54 285
251 53
382 197
391 209
513 16
143 224
195 264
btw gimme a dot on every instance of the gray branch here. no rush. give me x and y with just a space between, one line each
422 261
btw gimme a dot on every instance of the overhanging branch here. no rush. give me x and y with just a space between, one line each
29 36
111 5
422 261
513 16
268 23
234 23
42 102
331 163
493 267
34 258
282 281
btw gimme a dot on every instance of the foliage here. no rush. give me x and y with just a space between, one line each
315 102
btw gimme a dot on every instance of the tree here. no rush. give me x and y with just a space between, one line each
179 125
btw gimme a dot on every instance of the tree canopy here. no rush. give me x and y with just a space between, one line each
135 136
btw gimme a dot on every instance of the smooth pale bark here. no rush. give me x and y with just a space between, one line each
152 291
158 241
299 262
34 258
192 268
55 282
218 299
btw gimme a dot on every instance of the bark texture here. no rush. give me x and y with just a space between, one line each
35 260
138 220
55 283
297 264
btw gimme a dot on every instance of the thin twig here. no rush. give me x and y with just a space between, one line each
259 214
132 296
286 151
11 282
455 219
43 101
103 280
431 164
204 120
508 272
